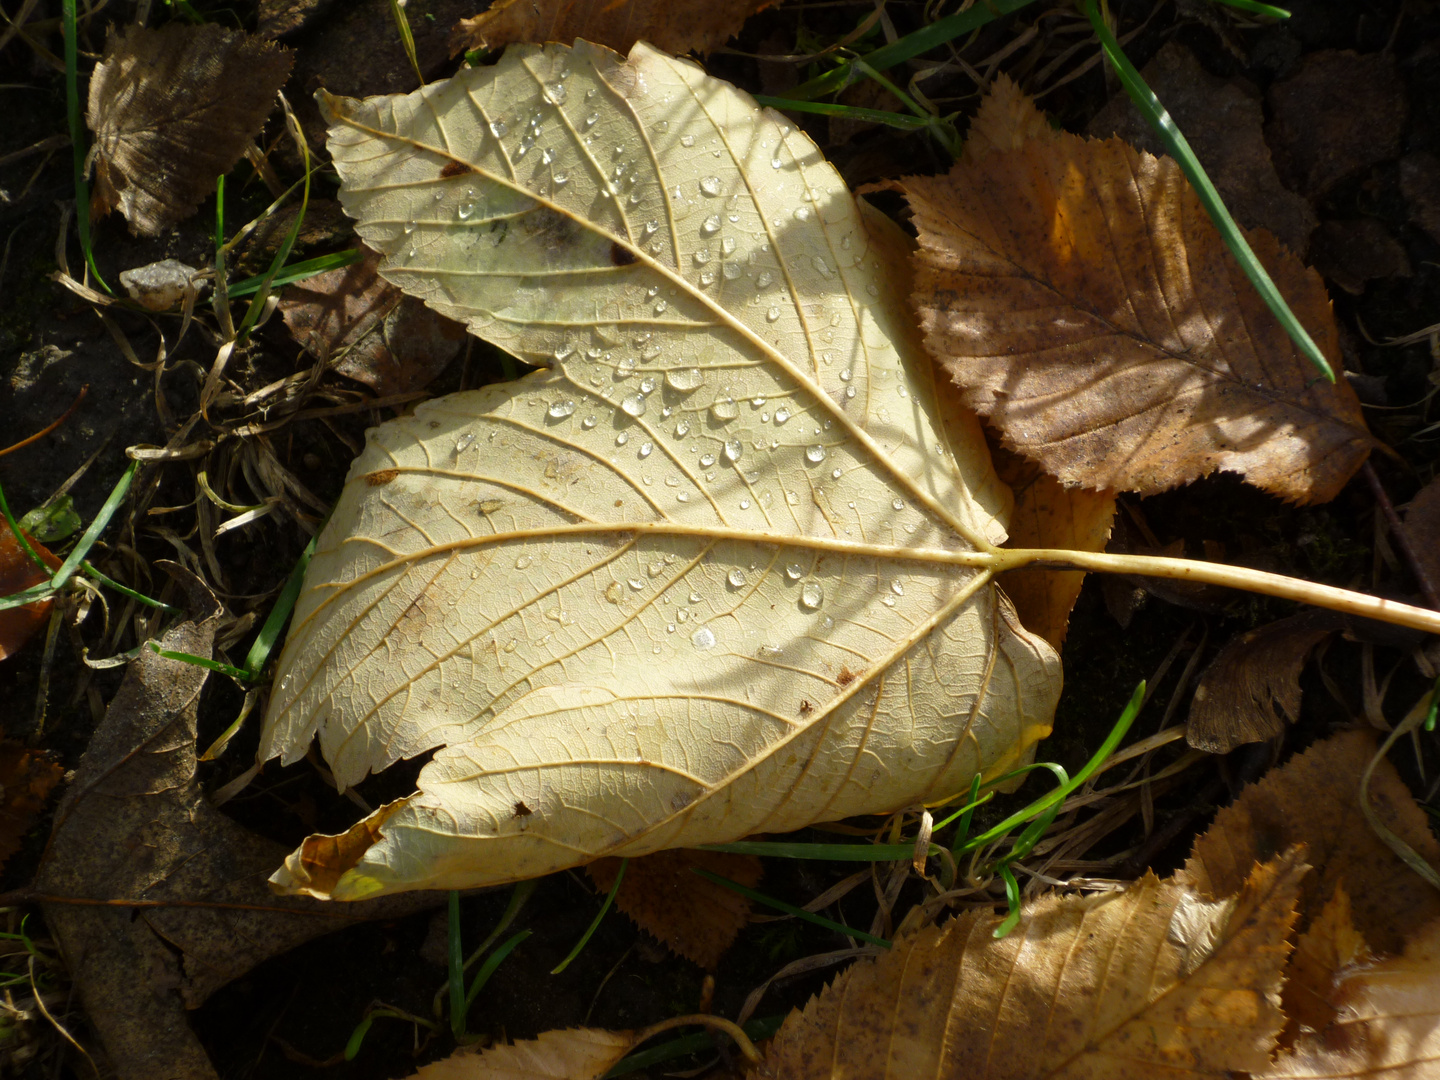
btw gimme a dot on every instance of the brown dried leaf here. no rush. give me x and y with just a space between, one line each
1387 1021
1422 522
1314 800
1224 123
1327 948
1050 515
135 825
1337 115
390 342
1151 981
18 573
618 24
1251 690
26 779
171 110
568 1054
695 917
1080 297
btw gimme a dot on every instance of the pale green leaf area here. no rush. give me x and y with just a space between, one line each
699 578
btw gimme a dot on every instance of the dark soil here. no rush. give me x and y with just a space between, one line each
291 1016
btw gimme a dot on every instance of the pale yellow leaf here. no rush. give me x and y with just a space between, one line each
568 1054
701 578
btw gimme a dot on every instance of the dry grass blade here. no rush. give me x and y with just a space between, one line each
1079 296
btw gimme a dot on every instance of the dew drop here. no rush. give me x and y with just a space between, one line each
651 226
849 392
684 496
464 441
634 405
815 454
792 498
647 385
793 571
897 588
687 140
662 126
498 128
764 279
710 225
681 615
782 414
732 271
835 475
898 504
744 504
561 409
811 596
591 120
555 93
682 429
694 598
736 578
707 277
522 562
725 409
588 423
802 213
622 438
888 601
645 449
625 368
727 245
706 460
703 638
637 583
561 179
563 351
710 185
733 449
465 210
660 306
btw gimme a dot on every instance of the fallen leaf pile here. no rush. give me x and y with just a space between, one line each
1259 957
701 577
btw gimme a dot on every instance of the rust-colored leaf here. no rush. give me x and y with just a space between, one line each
665 897
1251 690
1081 299
1314 800
390 342
1330 946
1386 1024
618 24
18 573
1049 515
26 779
1150 982
171 110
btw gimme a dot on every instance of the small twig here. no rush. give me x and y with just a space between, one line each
48 428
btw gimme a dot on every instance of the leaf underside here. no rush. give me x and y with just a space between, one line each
699 578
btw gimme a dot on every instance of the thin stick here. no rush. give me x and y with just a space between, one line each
48 428
1235 577
1402 537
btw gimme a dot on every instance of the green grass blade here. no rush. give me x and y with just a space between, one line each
1176 145
1255 8
297 272
33 595
791 909
125 590
19 534
77 137
407 39
102 519
594 923
1056 797
456 956
1012 898
910 46
259 654
848 112
198 661
492 963
267 281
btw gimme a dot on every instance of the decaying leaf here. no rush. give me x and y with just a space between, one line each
700 578
171 110
568 1054
26 780
18 572
1314 800
1387 1021
1153 981
616 24
1050 515
1251 690
1079 296
390 342
695 917
134 825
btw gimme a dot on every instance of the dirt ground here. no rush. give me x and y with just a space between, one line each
289 1017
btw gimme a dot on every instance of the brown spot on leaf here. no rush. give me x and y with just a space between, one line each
621 255
521 810
454 168
846 676
806 708
381 477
